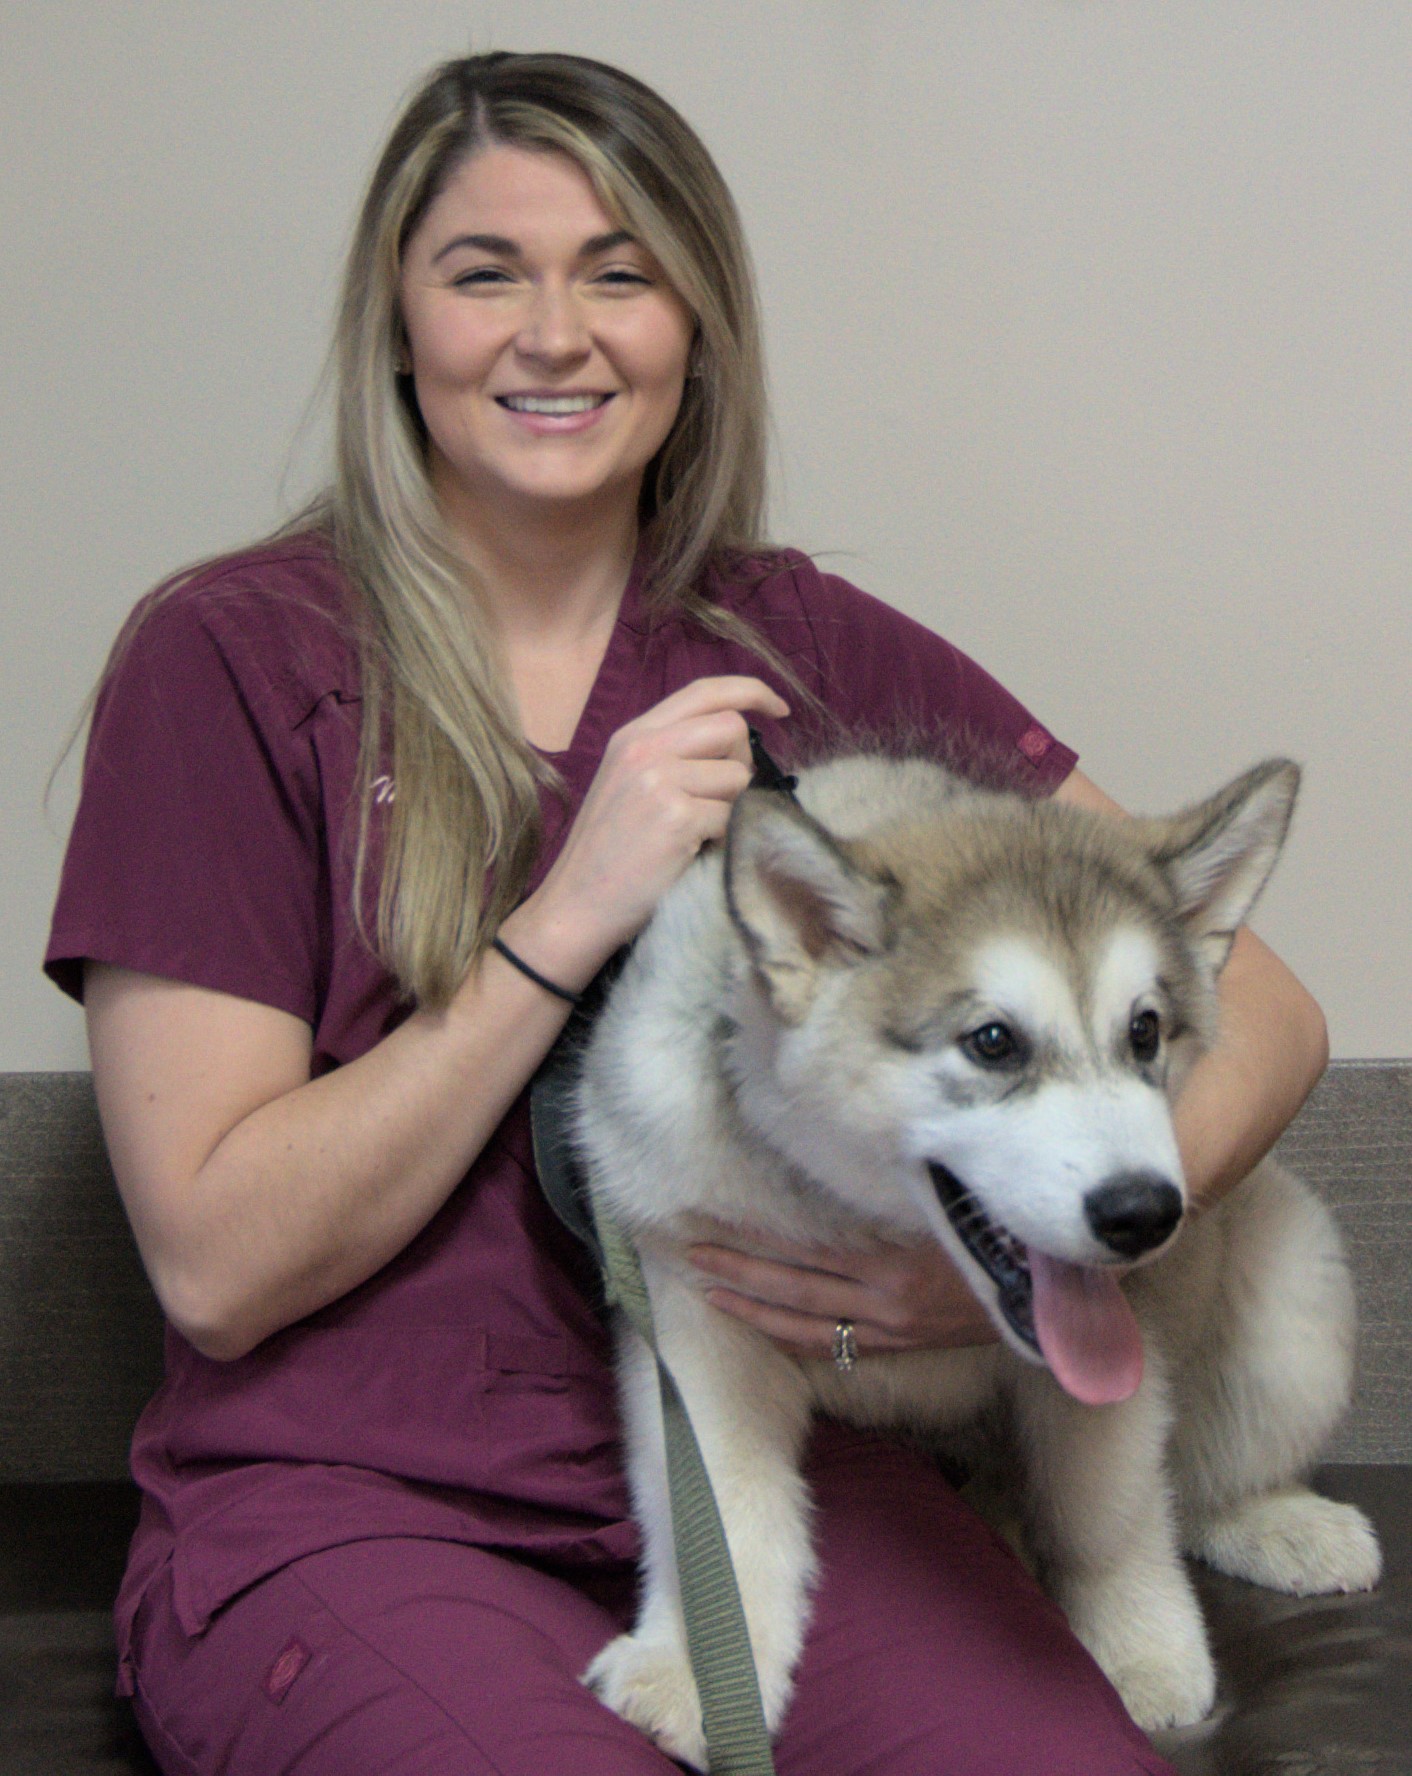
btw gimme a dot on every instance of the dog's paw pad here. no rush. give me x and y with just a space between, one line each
651 1685
1297 1542
1162 1693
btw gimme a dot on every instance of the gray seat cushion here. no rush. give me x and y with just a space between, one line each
1313 1686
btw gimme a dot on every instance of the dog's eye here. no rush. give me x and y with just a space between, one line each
1145 1035
994 1045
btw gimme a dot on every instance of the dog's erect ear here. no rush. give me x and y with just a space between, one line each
1218 855
799 902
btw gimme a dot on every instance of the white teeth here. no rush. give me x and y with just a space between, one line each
552 404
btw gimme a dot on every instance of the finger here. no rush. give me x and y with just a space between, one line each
666 788
649 754
707 696
822 1294
852 1264
723 733
692 803
807 1334
713 779
888 1292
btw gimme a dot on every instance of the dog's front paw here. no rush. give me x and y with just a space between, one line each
1293 1540
650 1684
1144 1627
1165 1692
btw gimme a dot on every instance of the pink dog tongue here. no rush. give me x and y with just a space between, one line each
1086 1330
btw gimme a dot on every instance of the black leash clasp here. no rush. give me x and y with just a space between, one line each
768 775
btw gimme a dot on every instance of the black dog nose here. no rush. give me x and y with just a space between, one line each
1134 1212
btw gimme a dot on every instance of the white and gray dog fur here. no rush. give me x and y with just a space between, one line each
907 1010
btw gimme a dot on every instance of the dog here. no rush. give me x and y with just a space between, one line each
904 1009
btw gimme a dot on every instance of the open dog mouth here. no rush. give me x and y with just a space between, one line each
1073 1317
999 1254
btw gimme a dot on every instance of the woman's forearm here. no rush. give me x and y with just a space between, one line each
1241 1096
259 1195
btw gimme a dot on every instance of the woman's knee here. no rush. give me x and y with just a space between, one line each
931 1649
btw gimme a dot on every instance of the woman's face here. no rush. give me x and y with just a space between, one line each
547 349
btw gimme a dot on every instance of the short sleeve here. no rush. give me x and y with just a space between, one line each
888 678
195 852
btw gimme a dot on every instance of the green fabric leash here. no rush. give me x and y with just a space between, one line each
718 1642
717 1639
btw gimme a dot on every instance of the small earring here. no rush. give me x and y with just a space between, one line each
402 360
693 361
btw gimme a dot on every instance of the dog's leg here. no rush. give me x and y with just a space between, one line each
1104 1537
749 1407
1261 1389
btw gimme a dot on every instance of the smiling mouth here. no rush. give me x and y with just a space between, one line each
999 1254
553 406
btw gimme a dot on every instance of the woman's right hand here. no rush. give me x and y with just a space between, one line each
665 787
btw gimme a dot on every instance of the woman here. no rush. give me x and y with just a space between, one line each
363 808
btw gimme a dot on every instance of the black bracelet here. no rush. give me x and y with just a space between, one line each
503 949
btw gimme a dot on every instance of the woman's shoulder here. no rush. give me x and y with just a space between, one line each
781 584
818 617
278 616
771 578
887 679
787 599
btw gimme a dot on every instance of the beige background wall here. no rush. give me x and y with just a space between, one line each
1089 330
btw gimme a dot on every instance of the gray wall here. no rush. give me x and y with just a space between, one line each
1088 326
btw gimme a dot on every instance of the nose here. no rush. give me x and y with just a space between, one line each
554 329
1133 1212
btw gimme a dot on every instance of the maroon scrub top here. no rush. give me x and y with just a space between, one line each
465 1392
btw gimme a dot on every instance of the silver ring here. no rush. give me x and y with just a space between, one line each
845 1347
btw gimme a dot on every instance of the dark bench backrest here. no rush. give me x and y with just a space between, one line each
80 1331
80 1334
1353 1139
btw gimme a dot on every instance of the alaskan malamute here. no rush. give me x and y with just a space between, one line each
908 1010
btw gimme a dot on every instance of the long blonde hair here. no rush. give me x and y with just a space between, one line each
464 823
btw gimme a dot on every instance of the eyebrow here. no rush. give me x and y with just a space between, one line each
506 248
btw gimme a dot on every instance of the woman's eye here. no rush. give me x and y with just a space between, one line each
622 278
481 275
994 1045
1145 1035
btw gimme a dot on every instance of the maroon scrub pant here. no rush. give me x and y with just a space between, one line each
930 1653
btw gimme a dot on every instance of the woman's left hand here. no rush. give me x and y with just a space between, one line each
897 1297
